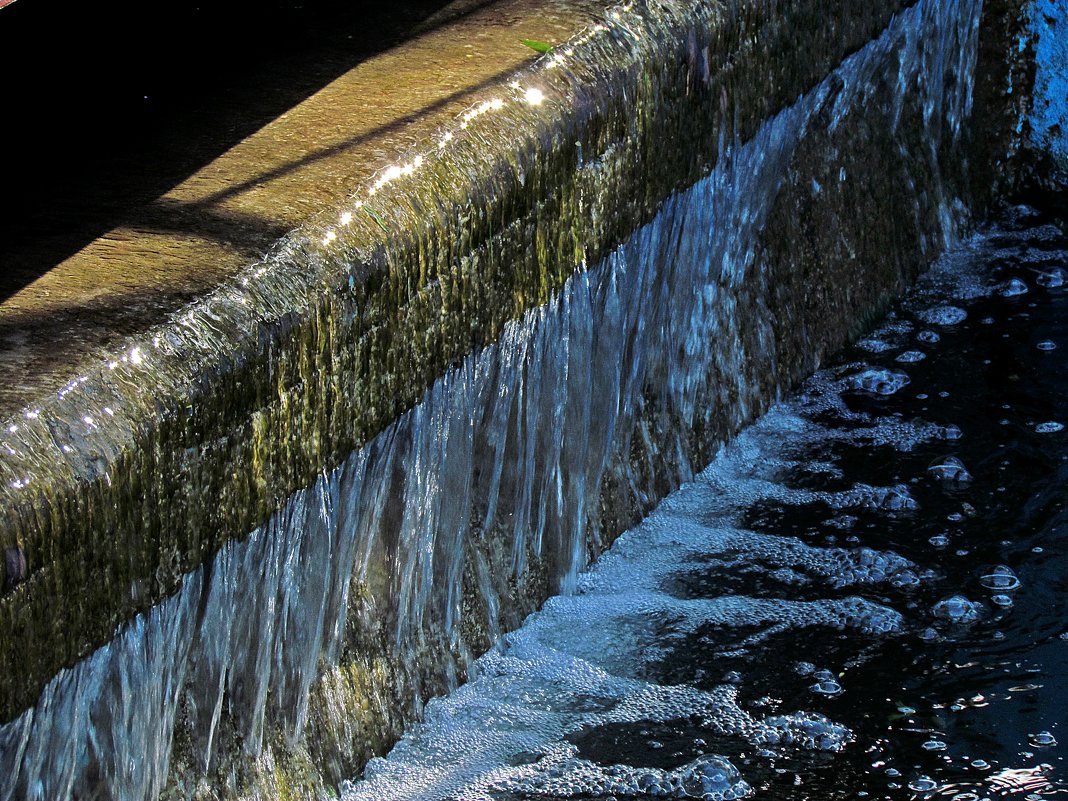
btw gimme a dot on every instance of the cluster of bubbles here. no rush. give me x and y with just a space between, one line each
807 730
709 777
957 610
880 381
943 315
864 565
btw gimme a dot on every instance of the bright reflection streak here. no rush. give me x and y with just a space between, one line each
534 96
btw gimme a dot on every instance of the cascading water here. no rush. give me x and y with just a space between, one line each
450 525
761 634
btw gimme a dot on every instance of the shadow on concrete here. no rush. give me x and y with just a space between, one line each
40 346
99 121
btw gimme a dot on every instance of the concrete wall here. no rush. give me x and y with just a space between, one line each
1049 115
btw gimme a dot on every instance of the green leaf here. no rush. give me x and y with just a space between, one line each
539 47
376 218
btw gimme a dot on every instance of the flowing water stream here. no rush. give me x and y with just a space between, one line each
862 596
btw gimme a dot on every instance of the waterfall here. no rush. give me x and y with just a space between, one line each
377 585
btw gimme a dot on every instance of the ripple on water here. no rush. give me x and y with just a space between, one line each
923 784
1042 740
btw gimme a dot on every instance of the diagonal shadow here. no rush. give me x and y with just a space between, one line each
133 115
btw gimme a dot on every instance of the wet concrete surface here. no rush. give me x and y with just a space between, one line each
119 223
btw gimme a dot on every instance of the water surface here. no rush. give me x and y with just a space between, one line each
863 595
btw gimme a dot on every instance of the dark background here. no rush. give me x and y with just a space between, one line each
106 105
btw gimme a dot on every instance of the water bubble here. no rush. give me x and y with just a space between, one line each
805 730
949 470
880 382
930 337
923 784
939 540
906 710
957 609
1051 279
934 745
1046 344
1049 428
951 431
732 677
712 777
804 668
910 356
930 635
828 687
893 772
943 315
1042 740
1004 601
1012 288
1001 578
892 499
980 764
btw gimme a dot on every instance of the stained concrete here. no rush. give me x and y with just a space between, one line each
229 212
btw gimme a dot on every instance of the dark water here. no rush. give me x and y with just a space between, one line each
864 596
963 704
